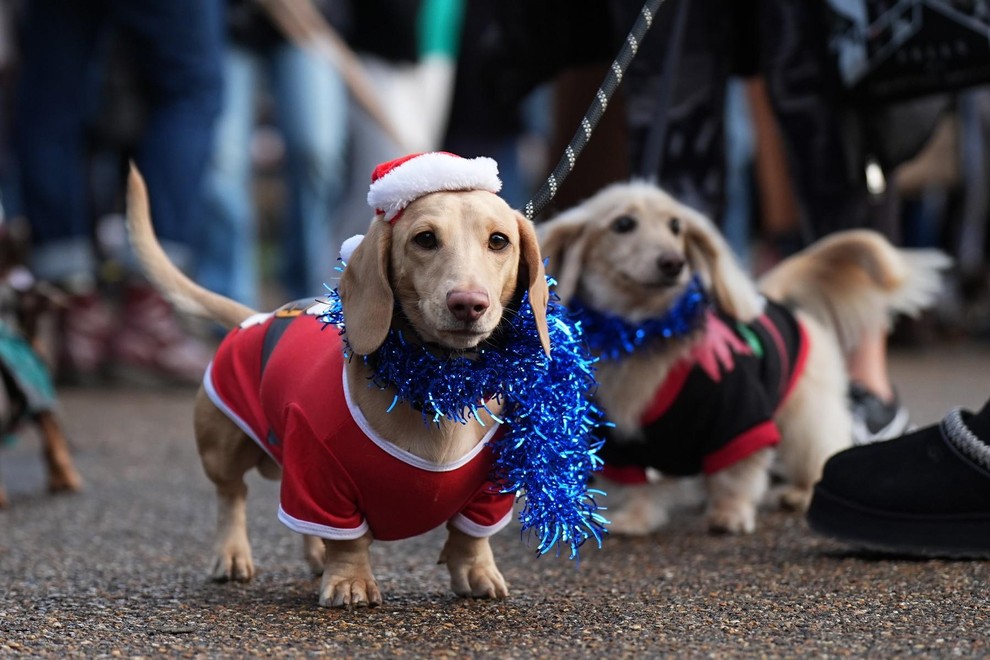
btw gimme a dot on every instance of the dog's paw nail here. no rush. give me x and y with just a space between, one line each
731 523
731 528
346 593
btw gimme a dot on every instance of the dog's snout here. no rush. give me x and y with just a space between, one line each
467 306
670 266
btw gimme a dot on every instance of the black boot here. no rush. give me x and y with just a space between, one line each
926 493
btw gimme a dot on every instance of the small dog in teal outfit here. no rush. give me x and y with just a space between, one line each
26 389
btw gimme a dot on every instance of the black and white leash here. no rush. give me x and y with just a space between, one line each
612 80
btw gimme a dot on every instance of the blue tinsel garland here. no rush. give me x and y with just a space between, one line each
548 451
613 337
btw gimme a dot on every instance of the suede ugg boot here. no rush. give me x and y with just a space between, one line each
926 493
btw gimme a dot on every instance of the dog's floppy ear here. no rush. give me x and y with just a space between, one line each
711 257
365 291
531 264
563 241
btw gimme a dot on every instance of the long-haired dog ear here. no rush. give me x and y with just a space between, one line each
712 258
531 266
365 291
563 241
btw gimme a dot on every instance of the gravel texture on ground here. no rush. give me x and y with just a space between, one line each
120 570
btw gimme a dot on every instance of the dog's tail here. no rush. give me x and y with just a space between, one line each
856 281
183 293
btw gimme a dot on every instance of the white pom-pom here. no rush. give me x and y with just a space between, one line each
20 278
347 247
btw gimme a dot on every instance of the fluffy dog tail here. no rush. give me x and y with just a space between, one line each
183 293
856 281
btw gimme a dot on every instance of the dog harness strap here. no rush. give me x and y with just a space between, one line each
283 318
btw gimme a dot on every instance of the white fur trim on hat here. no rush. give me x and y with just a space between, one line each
427 173
347 247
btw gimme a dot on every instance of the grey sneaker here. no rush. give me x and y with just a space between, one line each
874 419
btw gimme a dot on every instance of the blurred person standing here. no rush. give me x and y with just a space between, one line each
177 54
479 124
408 49
668 123
706 42
311 108
8 65
785 44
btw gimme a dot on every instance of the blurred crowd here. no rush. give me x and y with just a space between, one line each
257 150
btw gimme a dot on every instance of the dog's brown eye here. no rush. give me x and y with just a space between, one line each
675 226
498 242
623 224
426 240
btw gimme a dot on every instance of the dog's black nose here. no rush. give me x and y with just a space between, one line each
670 266
467 306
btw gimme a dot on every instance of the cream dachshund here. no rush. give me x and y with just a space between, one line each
705 373
281 396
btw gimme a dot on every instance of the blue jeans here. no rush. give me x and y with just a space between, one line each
179 46
737 220
311 111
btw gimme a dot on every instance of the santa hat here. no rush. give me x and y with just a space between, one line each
398 183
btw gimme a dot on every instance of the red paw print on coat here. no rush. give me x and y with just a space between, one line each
714 352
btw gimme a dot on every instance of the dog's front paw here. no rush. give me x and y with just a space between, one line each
790 497
62 473
64 478
233 562
638 517
734 493
347 578
623 524
314 552
473 573
342 590
732 518
481 580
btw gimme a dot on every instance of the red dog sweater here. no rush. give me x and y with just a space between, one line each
280 378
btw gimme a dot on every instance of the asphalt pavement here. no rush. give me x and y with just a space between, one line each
120 569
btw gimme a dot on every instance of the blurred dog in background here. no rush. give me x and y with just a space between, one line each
721 376
26 390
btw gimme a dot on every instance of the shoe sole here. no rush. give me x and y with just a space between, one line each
951 537
899 425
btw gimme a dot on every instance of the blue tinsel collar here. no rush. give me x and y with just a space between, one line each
548 451
612 337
